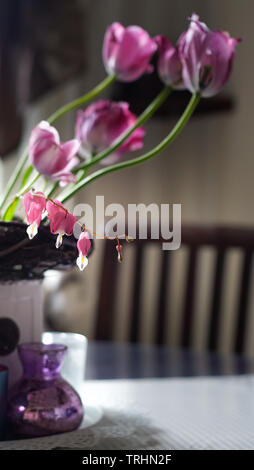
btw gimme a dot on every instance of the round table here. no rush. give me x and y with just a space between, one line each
110 360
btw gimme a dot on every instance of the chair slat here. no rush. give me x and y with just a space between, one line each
221 238
136 300
241 322
188 313
213 330
107 297
162 316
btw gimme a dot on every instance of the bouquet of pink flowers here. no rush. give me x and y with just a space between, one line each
201 62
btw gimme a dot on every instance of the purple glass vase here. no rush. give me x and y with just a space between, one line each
42 402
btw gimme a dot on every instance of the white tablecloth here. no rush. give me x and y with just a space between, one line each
182 413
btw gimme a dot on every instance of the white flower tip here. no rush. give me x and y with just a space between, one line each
59 240
82 262
32 230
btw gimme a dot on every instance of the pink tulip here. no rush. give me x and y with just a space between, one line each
51 157
84 245
207 58
169 63
127 51
61 221
101 124
35 205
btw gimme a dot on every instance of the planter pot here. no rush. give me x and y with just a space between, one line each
24 259
23 263
22 266
21 320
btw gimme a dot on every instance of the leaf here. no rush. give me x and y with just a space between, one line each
9 213
26 176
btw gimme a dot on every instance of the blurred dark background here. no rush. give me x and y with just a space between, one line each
51 53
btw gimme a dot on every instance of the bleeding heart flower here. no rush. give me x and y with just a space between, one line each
101 124
127 52
61 221
119 250
207 58
51 157
84 245
35 205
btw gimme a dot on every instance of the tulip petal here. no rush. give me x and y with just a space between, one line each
71 148
169 63
113 37
192 46
134 54
207 58
219 56
101 124
49 156
127 51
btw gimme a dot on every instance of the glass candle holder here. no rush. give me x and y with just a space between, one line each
42 402
74 365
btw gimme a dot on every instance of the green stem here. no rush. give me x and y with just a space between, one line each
45 184
14 178
161 146
82 175
10 210
28 186
83 99
60 112
52 190
147 113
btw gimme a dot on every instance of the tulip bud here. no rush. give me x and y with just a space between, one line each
101 124
169 63
207 58
51 157
127 52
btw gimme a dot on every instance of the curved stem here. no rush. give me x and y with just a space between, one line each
14 177
83 99
10 210
82 175
60 112
28 186
164 143
147 113
52 190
